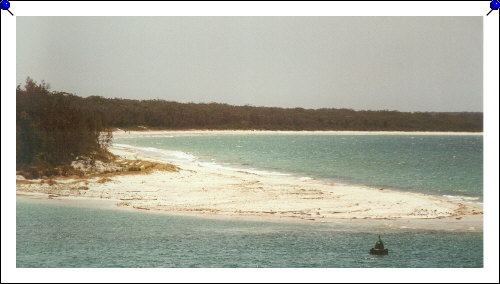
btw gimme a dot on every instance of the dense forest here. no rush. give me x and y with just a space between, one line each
55 127
160 114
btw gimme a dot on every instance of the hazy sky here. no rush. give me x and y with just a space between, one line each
375 63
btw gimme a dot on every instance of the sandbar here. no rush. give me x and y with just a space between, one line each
201 190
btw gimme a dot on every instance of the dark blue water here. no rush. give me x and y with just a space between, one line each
50 235
432 164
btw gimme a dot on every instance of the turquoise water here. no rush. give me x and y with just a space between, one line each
432 164
53 235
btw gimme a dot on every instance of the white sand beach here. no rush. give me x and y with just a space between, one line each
211 191
122 133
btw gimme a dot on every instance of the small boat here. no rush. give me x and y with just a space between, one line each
379 248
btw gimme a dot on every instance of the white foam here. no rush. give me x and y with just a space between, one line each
264 173
251 171
212 165
179 156
305 178
457 197
170 155
468 199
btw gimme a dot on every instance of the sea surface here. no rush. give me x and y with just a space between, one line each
449 165
50 234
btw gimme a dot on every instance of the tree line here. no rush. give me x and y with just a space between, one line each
161 114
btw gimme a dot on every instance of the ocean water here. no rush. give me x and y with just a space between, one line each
50 234
449 165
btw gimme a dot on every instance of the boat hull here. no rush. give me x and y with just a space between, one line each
379 251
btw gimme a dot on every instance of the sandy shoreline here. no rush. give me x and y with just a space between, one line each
207 191
146 133
465 224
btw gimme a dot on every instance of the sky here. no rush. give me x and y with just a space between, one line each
362 63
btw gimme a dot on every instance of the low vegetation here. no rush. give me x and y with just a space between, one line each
101 171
